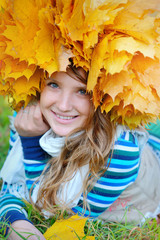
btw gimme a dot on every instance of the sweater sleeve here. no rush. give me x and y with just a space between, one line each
122 171
12 209
35 159
12 206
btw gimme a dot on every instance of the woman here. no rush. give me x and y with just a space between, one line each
67 151
71 141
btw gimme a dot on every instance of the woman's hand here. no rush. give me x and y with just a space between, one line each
29 122
26 229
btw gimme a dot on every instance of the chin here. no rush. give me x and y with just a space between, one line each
61 133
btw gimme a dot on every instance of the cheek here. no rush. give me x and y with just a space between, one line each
87 108
45 98
43 101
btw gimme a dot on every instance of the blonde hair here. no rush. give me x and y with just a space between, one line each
92 146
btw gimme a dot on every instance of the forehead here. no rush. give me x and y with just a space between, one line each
64 77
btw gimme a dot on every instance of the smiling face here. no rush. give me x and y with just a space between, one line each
65 104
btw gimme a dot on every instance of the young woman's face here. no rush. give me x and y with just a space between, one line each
64 103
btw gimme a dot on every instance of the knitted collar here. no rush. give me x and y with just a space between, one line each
52 143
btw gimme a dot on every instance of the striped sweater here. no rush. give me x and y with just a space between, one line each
122 171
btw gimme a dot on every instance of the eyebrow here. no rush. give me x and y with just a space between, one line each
81 84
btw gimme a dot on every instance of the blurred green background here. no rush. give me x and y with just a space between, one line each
5 110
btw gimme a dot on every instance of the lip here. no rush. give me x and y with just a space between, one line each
66 120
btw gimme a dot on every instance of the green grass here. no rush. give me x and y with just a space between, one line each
102 231
4 129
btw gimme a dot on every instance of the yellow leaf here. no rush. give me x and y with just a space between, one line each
108 103
148 71
137 100
130 45
98 56
140 6
144 105
117 62
44 42
139 28
4 87
21 86
74 20
90 39
97 96
101 12
144 91
140 63
66 229
15 69
93 4
25 26
114 84
3 4
24 88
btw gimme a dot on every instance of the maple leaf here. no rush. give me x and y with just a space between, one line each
67 229
25 26
98 55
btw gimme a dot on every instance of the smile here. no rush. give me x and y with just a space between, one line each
64 117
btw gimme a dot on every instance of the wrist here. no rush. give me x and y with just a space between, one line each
32 149
28 141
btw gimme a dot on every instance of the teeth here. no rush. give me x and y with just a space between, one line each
62 117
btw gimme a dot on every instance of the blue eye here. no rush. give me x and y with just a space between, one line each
53 85
82 92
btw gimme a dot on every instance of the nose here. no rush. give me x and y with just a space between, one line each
65 103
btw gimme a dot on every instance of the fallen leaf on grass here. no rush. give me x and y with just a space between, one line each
68 229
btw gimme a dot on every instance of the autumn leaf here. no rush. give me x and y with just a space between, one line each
67 229
16 69
21 34
130 45
44 43
3 87
98 56
120 60
114 84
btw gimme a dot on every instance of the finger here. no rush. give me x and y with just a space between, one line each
21 118
32 114
25 111
38 111
39 117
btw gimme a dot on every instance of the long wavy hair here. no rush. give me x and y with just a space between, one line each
92 146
